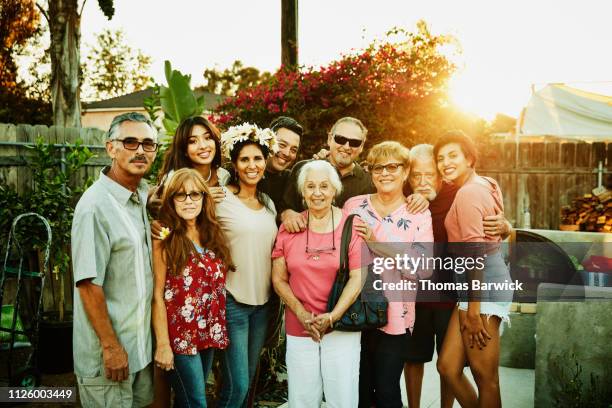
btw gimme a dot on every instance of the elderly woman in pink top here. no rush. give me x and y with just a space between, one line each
474 322
385 218
304 267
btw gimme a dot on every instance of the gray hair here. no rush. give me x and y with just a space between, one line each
113 131
422 151
354 121
316 165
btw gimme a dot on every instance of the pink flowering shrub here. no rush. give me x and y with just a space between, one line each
397 88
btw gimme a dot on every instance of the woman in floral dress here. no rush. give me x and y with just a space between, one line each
190 267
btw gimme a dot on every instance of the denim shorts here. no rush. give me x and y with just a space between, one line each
497 302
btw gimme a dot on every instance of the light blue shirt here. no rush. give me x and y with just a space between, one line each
111 244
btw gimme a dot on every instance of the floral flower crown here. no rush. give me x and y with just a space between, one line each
247 131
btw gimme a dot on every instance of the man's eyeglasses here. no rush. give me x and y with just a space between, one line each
341 140
131 143
391 168
194 195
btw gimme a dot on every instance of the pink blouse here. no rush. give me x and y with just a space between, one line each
473 202
311 275
399 226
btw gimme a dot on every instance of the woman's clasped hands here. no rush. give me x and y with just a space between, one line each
316 326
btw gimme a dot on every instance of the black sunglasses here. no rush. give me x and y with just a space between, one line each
341 140
131 143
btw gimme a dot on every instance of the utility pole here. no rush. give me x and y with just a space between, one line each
289 33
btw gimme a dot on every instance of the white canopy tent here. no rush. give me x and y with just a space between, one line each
561 111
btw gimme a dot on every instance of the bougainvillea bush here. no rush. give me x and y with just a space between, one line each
397 87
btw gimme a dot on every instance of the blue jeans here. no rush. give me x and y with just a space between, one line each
189 376
247 327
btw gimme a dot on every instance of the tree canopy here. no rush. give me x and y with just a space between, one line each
234 79
113 68
19 22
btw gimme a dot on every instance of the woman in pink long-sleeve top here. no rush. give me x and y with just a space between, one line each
473 331
385 219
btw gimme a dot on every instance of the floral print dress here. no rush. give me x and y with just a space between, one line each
195 305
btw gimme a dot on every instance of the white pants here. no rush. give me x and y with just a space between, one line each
330 367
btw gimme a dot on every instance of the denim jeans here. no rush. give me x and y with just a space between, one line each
247 326
189 376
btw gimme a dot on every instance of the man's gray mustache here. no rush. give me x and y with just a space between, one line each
139 158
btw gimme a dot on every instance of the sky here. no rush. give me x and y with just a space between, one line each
507 46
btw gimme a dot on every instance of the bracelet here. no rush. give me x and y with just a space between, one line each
331 321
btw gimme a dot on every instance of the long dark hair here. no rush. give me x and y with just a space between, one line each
235 180
176 155
177 247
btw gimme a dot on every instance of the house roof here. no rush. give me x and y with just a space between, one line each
136 99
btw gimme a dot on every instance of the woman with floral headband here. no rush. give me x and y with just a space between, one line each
248 218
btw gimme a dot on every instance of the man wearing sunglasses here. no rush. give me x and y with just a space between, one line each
111 256
345 140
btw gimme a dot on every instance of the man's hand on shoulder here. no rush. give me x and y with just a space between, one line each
497 225
158 230
321 154
416 203
293 221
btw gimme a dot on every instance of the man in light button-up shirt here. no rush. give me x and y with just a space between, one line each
111 255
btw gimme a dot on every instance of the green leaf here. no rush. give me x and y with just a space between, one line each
201 105
169 126
177 99
167 70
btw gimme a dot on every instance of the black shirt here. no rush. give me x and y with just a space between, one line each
273 184
355 183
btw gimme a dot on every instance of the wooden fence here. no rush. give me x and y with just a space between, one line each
541 176
14 153
544 176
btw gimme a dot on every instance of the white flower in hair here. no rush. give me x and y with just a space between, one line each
247 131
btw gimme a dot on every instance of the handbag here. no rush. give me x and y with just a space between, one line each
362 314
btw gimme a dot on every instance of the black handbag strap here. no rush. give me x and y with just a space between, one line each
347 232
